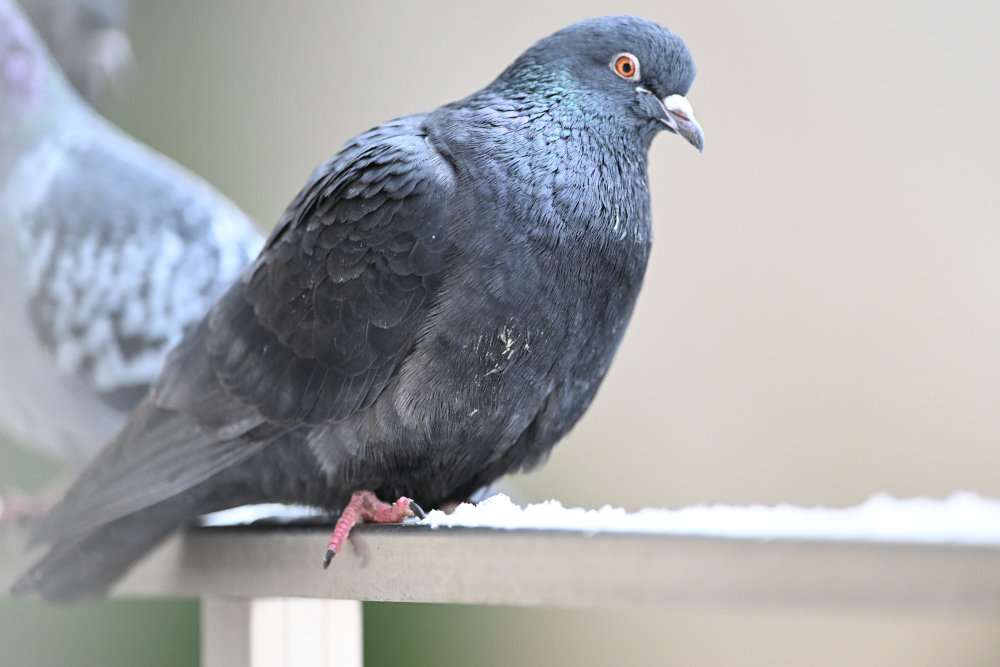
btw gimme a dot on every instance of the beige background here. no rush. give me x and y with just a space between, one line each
821 317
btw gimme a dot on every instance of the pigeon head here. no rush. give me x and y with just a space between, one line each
635 68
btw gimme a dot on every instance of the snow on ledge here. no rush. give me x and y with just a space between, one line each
963 518
270 512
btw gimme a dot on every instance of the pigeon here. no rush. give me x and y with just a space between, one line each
435 309
109 253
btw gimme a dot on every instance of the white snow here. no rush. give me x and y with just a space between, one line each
241 516
963 518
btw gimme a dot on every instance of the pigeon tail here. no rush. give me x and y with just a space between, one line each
86 566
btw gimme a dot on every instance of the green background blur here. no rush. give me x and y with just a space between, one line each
820 321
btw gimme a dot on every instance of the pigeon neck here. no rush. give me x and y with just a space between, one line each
553 95
29 84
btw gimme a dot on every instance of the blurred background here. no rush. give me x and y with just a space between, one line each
820 320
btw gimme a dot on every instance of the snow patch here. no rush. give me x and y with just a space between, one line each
963 518
273 512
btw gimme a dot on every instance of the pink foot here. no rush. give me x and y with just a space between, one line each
366 506
16 506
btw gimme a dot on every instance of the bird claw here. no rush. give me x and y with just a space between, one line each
364 505
417 510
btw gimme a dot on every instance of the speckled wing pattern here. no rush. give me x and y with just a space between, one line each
125 255
311 333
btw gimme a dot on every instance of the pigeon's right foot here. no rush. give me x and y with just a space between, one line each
365 505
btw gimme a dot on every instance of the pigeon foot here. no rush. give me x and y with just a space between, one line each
366 506
17 506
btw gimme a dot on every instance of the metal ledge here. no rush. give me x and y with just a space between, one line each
555 568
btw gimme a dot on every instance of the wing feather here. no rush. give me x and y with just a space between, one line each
311 333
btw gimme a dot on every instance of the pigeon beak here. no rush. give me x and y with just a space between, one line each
680 119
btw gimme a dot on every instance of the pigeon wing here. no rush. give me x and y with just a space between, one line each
311 333
320 321
128 251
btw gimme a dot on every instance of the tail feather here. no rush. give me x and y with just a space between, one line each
87 565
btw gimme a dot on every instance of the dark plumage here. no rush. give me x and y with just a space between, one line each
434 310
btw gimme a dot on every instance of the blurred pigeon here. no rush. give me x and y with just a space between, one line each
110 252
434 310
88 39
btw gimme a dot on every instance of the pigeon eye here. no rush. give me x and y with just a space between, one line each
626 66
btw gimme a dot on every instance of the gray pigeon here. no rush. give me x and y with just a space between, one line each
110 252
434 310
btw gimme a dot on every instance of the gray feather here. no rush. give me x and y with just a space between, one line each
110 252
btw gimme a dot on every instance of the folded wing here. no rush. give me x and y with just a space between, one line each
311 333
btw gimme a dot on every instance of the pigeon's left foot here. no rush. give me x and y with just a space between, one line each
365 505
16 506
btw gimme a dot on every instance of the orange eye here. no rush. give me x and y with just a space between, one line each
626 66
